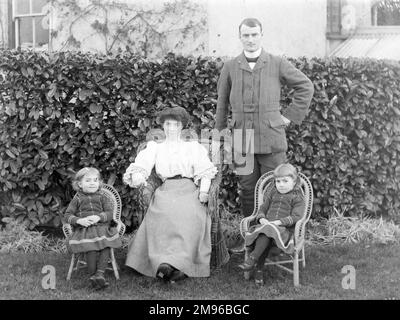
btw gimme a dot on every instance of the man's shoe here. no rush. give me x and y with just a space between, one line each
238 249
164 271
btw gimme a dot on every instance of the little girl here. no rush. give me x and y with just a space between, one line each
91 213
282 208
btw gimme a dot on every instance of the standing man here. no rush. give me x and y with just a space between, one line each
250 85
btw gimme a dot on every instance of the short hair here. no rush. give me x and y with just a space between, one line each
81 173
250 22
286 170
175 113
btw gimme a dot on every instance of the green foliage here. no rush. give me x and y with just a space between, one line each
62 111
15 237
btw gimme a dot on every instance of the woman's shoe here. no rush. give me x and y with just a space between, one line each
164 271
249 264
177 275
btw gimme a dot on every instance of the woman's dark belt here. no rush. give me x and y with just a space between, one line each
178 177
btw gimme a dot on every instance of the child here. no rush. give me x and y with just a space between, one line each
91 213
277 216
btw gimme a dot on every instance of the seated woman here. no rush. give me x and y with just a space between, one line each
174 238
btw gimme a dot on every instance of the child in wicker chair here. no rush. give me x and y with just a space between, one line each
283 206
91 213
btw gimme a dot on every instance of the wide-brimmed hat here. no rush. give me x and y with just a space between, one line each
176 113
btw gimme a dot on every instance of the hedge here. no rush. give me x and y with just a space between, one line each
62 111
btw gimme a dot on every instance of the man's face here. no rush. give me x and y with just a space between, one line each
250 38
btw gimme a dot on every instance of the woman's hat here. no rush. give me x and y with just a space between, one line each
176 113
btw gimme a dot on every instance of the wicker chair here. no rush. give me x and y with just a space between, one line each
296 255
219 251
78 260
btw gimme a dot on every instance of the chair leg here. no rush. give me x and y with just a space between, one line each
114 264
71 267
247 274
296 269
304 257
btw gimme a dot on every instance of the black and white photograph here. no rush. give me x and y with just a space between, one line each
220 153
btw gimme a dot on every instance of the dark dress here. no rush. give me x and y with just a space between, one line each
288 208
95 237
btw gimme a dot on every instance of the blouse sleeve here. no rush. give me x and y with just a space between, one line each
144 162
202 165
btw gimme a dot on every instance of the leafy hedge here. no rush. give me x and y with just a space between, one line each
62 111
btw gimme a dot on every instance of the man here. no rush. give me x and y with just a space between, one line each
250 85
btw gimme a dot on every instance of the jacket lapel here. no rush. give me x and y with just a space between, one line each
262 60
243 64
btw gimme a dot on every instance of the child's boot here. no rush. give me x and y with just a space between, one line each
98 280
259 277
249 263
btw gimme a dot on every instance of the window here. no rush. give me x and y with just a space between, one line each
386 13
334 19
31 24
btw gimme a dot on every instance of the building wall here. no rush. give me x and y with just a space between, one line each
3 24
291 27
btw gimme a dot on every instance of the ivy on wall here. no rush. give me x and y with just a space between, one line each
147 28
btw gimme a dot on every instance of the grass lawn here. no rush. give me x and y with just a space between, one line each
377 277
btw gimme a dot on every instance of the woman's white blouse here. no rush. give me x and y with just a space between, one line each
187 158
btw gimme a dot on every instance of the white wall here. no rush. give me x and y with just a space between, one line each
291 27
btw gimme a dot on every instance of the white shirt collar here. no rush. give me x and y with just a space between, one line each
254 54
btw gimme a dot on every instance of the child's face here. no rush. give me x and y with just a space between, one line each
284 184
90 183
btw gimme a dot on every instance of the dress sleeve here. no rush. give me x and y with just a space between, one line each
70 215
297 211
107 213
144 162
202 165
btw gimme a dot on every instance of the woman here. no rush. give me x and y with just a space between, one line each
174 239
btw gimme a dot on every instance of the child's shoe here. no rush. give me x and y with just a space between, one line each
259 278
98 280
249 263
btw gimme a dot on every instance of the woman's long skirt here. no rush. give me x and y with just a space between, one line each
175 230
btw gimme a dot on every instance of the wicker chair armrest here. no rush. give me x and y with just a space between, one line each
245 224
120 227
299 231
67 230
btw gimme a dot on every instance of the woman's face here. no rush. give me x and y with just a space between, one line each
172 128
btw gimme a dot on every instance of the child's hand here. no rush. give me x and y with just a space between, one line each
263 221
93 219
84 222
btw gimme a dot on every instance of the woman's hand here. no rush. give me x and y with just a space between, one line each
203 197
277 222
137 180
263 221
84 222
